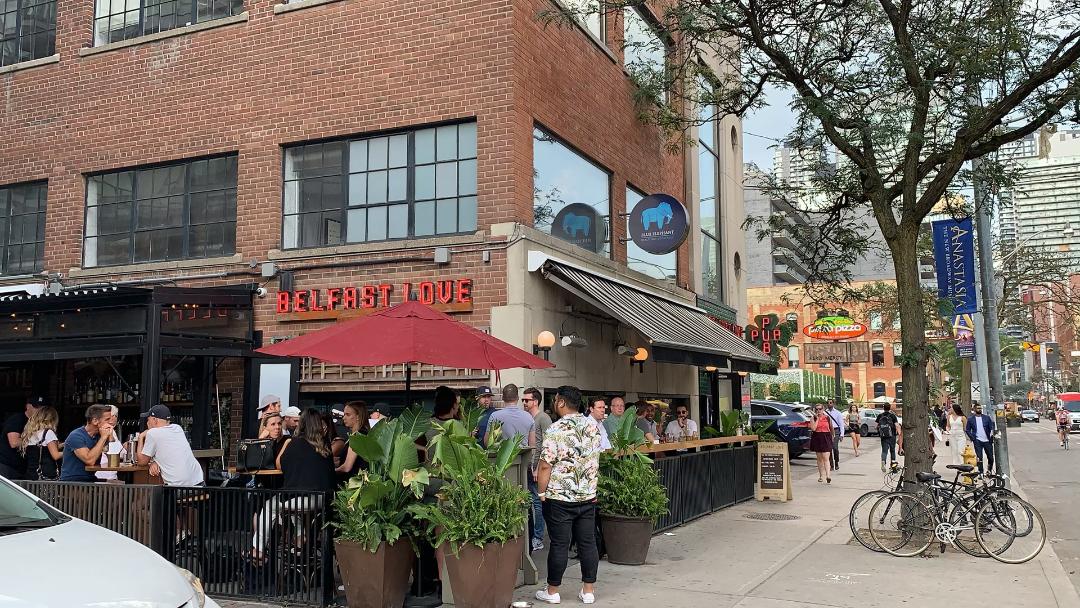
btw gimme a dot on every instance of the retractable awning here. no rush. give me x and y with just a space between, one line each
677 332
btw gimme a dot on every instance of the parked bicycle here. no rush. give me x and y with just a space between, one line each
981 518
859 516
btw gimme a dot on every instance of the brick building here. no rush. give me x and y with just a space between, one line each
880 377
395 148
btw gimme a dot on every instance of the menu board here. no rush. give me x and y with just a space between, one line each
773 471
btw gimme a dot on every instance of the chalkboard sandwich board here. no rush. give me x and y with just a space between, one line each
773 471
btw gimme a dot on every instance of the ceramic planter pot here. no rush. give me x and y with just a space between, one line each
626 538
483 577
375 580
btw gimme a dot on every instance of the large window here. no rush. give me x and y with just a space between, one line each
22 228
656 266
877 354
879 389
571 194
591 20
413 184
116 20
712 256
644 50
178 211
27 30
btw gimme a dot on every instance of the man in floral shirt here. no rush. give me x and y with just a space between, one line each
566 480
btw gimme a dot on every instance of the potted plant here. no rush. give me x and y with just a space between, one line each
630 494
375 513
478 523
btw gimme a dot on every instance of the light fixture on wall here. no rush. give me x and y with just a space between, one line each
710 368
640 356
574 341
544 341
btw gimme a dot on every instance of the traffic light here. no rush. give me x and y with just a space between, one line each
1051 359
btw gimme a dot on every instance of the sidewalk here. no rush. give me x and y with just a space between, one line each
729 560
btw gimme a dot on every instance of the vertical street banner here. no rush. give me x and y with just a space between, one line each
964 330
954 259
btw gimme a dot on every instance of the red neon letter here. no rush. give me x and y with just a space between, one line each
384 294
332 298
348 298
406 290
284 299
299 305
367 297
444 291
313 299
427 293
464 291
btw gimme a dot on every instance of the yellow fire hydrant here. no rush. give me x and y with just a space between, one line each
969 458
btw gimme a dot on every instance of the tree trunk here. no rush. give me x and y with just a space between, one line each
916 412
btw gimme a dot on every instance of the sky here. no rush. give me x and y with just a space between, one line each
766 125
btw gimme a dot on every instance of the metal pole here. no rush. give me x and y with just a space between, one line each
990 322
839 384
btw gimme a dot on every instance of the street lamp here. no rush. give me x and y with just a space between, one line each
1067 231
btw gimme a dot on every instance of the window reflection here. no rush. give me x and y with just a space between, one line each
656 266
571 195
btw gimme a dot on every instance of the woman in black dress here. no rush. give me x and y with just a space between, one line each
356 421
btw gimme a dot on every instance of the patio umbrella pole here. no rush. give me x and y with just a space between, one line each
408 385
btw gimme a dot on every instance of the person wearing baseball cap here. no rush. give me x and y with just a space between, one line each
165 447
483 398
269 404
12 464
290 417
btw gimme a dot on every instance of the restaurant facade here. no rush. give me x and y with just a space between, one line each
284 166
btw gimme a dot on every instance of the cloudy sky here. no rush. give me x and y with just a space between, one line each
762 128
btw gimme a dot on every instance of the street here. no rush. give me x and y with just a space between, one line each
1050 477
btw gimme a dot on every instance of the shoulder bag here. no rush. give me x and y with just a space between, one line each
254 455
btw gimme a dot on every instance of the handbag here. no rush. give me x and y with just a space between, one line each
43 451
255 455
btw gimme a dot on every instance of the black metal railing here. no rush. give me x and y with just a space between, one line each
700 483
268 545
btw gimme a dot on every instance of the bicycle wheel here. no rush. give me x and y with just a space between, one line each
997 523
859 519
962 519
901 524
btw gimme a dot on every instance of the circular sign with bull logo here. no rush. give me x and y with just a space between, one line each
581 225
658 224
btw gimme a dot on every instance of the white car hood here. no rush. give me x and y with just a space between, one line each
79 565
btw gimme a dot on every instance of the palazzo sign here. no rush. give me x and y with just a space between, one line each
449 296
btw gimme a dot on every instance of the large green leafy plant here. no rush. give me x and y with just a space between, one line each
379 505
628 484
478 504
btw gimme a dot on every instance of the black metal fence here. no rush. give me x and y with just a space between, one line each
269 545
699 483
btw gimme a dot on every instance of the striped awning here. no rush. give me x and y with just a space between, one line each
677 332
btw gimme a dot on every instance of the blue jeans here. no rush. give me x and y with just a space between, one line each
536 514
984 451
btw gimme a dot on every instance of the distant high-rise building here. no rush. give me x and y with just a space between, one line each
797 169
1043 209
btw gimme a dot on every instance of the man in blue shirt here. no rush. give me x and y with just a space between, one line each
980 429
85 444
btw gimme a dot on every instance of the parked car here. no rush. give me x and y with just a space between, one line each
1029 415
79 565
789 423
868 421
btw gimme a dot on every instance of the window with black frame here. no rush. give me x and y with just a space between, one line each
184 210
27 30
417 183
712 258
116 20
22 228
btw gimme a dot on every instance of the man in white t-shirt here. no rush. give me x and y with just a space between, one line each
166 449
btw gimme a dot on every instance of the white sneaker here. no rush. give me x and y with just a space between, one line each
586 598
550 598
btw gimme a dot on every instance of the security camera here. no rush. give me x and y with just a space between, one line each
261 292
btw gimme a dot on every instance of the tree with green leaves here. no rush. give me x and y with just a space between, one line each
905 93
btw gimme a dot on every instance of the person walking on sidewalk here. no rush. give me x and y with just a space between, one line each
955 435
534 405
888 426
980 430
853 427
837 420
821 441
566 480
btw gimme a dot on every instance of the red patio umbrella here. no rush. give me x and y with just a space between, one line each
407 333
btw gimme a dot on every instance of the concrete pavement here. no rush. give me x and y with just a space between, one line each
738 558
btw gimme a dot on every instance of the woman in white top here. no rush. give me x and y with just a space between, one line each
955 433
115 446
40 446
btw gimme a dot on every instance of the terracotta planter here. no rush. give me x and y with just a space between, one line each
375 580
484 578
626 538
